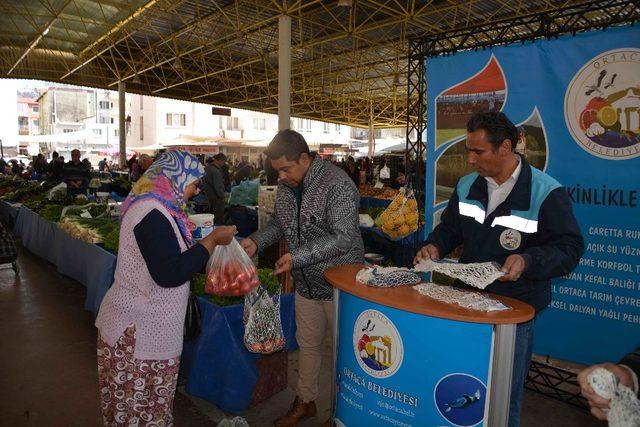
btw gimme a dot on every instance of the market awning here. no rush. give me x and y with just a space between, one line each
349 59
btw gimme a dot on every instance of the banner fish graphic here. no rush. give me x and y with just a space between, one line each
463 402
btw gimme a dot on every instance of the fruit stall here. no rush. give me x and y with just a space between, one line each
389 230
373 197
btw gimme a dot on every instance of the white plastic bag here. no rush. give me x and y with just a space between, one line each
59 192
230 271
263 327
233 422
385 172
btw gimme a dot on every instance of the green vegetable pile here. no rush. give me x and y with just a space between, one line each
95 210
51 212
269 282
108 230
23 193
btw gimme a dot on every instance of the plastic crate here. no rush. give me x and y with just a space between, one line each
267 197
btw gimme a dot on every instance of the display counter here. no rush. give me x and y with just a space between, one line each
409 360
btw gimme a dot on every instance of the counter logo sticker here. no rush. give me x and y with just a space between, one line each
602 105
460 399
510 239
377 344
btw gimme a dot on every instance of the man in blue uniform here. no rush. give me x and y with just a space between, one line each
511 213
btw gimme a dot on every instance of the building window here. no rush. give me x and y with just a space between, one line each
97 132
36 108
399 133
175 119
141 128
36 122
337 128
377 133
259 123
141 101
326 127
105 105
67 130
229 123
308 125
115 132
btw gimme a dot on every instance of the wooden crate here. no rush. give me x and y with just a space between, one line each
272 376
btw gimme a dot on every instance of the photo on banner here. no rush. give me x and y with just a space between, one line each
576 103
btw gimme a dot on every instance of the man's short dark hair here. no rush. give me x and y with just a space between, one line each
497 126
287 143
220 156
55 155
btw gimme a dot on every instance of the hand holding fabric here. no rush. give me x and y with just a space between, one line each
429 252
598 404
513 268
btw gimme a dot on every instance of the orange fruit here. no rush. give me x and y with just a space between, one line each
607 116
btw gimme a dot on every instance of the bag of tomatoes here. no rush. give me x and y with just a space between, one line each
262 325
230 271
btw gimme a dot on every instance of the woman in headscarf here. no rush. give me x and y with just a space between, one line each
141 319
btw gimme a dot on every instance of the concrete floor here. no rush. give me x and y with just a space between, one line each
48 366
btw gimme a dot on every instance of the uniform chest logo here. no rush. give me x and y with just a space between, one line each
510 239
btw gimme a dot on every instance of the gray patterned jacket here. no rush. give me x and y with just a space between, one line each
327 233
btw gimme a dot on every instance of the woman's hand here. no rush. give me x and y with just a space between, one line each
222 235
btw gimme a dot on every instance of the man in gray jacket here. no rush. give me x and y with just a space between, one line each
316 211
213 187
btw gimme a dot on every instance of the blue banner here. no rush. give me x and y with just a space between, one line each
576 101
403 369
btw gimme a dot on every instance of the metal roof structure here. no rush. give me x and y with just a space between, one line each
349 57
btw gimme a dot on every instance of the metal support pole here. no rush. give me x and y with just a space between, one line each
371 148
334 360
501 373
121 121
284 72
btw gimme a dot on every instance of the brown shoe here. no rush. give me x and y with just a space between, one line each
299 411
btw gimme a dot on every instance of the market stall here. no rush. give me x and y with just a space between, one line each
87 263
218 367
81 240
386 338
389 229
